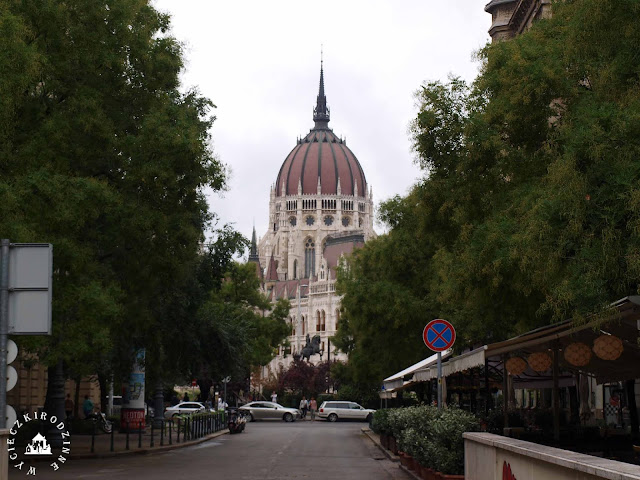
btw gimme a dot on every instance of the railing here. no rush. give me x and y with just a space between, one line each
180 429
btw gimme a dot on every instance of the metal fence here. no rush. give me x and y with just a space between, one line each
180 429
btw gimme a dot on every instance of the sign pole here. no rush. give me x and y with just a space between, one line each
4 328
439 380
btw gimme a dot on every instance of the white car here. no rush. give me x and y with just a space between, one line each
334 410
184 407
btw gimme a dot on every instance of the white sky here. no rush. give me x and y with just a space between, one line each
259 62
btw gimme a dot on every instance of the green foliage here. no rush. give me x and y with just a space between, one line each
432 436
528 210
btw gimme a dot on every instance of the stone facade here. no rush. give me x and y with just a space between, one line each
512 17
320 209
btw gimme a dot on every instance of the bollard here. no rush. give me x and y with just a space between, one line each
162 434
152 442
93 437
112 431
139 434
126 446
178 434
170 424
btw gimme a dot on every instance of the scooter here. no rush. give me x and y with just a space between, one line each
236 422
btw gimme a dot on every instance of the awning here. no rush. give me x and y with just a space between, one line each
398 381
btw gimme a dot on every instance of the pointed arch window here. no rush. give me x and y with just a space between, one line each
303 326
295 269
309 258
337 317
318 321
323 322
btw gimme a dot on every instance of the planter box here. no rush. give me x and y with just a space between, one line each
384 440
427 474
392 445
406 460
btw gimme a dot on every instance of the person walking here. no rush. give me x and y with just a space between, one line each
274 397
186 397
87 406
68 406
313 406
303 407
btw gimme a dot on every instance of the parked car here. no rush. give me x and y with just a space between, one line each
184 407
334 410
269 411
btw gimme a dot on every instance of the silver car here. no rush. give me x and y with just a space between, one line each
334 410
269 411
184 407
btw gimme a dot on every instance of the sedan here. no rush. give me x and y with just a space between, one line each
184 407
269 411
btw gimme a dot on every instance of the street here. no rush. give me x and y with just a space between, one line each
265 451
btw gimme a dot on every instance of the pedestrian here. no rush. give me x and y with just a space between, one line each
274 397
303 407
222 405
186 397
87 406
174 399
313 406
68 406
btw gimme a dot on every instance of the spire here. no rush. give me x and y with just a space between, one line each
253 253
321 112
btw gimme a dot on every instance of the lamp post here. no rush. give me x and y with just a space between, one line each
299 332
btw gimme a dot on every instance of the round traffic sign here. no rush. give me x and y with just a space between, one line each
439 335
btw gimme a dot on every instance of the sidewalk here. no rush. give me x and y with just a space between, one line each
375 438
81 444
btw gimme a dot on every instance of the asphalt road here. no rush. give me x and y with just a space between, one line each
264 451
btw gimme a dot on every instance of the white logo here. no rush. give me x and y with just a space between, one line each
39 445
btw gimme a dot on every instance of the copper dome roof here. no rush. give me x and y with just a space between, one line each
321 155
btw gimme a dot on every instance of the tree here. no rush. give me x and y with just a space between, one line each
528 209
103 156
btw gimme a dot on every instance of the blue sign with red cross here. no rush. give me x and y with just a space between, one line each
439 335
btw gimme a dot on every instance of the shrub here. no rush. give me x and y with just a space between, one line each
431 436
380 422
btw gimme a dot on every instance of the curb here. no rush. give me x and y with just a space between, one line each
375 438
146 451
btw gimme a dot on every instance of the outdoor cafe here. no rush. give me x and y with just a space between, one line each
568 385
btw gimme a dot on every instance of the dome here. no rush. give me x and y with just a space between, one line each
321 157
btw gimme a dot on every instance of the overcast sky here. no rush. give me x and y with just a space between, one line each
259 62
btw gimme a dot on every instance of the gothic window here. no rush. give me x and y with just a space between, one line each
337 318
310 220
360 223
328 220
318 321
323 322
303 327
295 269
309 258
292 221
345 221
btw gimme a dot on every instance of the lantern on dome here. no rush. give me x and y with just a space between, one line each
608 347
577 354
516 365
539 361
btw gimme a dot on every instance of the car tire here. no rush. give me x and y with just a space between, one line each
333 417
287 417
369 417
175 415
251 419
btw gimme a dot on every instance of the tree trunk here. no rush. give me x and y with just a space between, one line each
54 403
76 398
102 381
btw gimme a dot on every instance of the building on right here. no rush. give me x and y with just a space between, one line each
510 18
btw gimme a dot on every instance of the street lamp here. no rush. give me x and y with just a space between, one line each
321 353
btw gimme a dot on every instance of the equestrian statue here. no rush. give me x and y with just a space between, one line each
311 347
